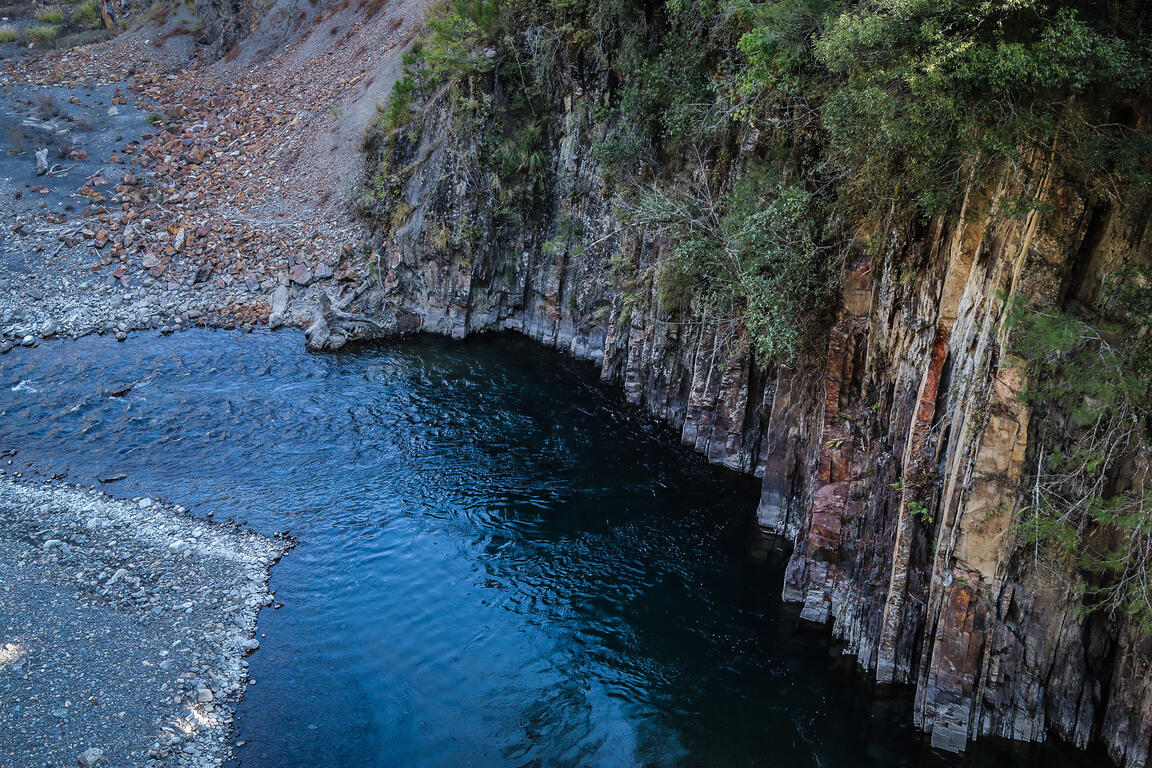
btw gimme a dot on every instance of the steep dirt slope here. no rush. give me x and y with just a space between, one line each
243 183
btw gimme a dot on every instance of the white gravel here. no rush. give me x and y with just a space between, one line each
123 628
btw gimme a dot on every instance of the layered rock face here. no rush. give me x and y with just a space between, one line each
896 462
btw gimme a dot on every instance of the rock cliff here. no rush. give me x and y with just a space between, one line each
896 460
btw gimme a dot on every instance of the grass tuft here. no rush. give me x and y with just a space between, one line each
50 16
86 14
42 35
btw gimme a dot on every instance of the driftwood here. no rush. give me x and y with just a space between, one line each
332 312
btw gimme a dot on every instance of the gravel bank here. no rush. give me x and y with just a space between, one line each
123 628
89 246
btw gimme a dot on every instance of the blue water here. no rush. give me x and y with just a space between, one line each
498 564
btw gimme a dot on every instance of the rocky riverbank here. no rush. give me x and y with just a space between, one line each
123 628
183 190
97 239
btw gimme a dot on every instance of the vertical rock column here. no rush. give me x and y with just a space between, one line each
960 252
983 470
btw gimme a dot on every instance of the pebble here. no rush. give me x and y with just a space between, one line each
178 547
90 757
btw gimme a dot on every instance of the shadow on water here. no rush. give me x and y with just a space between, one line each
499 563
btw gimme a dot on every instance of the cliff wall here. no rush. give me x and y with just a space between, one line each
897 459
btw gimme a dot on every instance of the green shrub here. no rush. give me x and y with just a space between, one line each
917 98
9 34
529 46
957 81
750 254
42 35
675 284
920 511
50 16
87 14
920 98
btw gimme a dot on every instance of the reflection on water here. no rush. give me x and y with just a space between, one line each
498 564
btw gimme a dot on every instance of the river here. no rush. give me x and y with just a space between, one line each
499 563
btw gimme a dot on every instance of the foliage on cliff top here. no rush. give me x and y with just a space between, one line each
914 94
920 97
742 257
655 61
917 98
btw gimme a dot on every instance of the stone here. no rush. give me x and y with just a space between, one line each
203 274
178 547
318 336
119 390
278 302
300 274
41 161
28 341
90 757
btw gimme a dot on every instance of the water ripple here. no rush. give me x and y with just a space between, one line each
498 565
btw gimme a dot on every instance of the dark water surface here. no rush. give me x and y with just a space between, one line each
498 563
